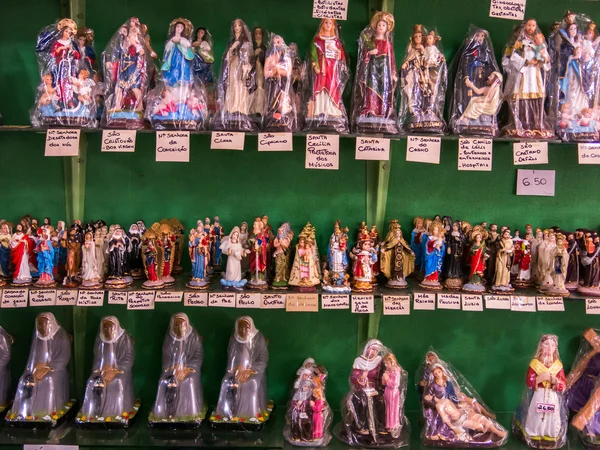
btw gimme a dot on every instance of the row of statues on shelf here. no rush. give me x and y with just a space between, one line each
550 86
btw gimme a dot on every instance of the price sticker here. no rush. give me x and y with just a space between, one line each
535 182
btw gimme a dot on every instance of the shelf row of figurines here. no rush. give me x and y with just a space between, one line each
550 88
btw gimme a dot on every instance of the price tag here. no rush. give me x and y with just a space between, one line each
227 140
168 296
302 303
42 297
472 302
423 301
525 153
248 300
272 301
173 146
550 304
141 299
535 182
195 298
14 298
62 142
497 301
335 301
592 305
363 304
448 301
396 305
118 140
117 298
589 153
275 142
330 9
475 154
372 149
222 299
423 149
522 303
66 297
508 9
322 151
90 298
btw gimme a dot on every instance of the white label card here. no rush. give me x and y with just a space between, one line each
14 298
118 140
396 305
42 297
141 299
227 140
550 304
472 302
248 300
322 151
272 301
522 303
66 297
372 149
90 298
330 9
589 153
363 304
275 142
195 299
335 301
61 142
535 182
223 299
525 153
497 301
117 297
508 9
592 305
475 154
423 301
173 146
168 296
448 301
423 149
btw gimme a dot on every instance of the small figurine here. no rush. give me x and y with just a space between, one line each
281 256
199 251
21 247
179 400
6 342
453 266
243 403
216 235
397 258
591 268
335 278
523 272
136 265
258 246
503 264
318 373
45 258
257 104
434 248
305 274
542 417
545 260
153 261
559 260
416 242
165 247
90 276
179 234
118 252
204 59
109 399
5 252
573 253
234 250
364 256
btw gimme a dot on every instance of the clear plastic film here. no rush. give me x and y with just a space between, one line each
374 93
308 416
204 59
67 94
178 101
327 72
423 80
542 417
477 94
6 341
260 43
298 78
373 410
454 414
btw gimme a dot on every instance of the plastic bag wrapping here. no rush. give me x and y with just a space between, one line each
526 65
542 417
204 59
178 101
298 78
308 416
6 342
179 398
574 77
66 94
128 73
423 81
237 82
454 414
260 43
327 74
373 410
477 94
374 93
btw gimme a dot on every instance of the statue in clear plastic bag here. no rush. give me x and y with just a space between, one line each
109 399
204 60
179 99
179 400
259 45
374 94
6 342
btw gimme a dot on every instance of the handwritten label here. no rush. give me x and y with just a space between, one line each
592 305
507 9
302 303
248 300
525 153
335 301
396 305
168 296
275 142
222 299
173 146
423 149
372 149
62 142
522 303
448 301
550 304
475 154
322 151
330 9
118 140
589 153
14 298
66 297
117 298
272 301
363 304
227 140
195 299
141 300
545 408
535 182
42 297
423 301
90 298
497 301
472 302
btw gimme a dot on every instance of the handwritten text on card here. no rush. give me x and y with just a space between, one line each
118 141
423 149
372 149
61 142
525 153
322 151
227 140
475 154
173 146
275 142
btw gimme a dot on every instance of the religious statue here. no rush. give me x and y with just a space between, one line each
416 242
216 235
305 274
454 259
6 342
5 252
282 255
434 248
199 251
257 104
364 256
136 264
204 59
45 258
573 255
21 247
590 262
504 255
90 275
258 244
152 260
118 252
335 277
233 248
397 257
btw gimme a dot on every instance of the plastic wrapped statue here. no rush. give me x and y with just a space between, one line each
6 342
42 398
109 399
423 80
298 76
128 70
477 94
243 401
179 99
590 262
455 415
373 410
526 65
542 418
204 59
374 93
236 82
259 45
336 278
305 274
581 380
64 97
282 255
179 399
328 73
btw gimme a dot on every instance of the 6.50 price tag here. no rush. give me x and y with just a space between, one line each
535 182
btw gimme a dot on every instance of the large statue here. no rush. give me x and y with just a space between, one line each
6 342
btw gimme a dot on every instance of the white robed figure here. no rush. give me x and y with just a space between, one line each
235 252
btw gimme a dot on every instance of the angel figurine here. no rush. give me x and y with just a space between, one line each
396 257
336 278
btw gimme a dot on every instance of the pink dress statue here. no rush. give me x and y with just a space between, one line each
391 396
317 418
